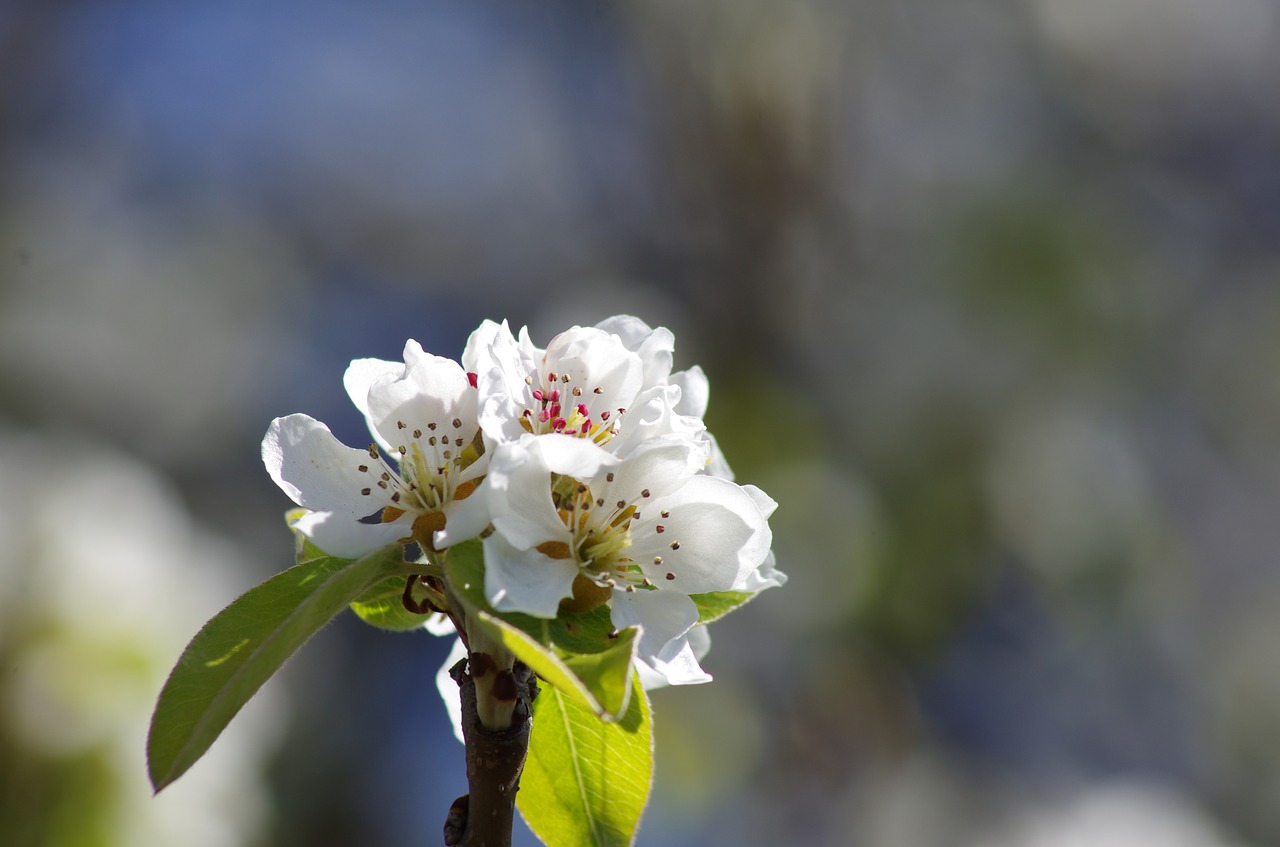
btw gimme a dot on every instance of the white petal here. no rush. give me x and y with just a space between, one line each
519 488
653 415
440 625
660 466
475 356
431 389
597 359
653 346
678 664
765 576
575 457
502 365
525 580
695 391
664 617
449 689
766 504
318 471
721 534
463 519
717 465
341 535
630 329
360 375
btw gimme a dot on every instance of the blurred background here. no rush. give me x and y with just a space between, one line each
988 292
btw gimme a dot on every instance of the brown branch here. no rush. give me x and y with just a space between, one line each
495 760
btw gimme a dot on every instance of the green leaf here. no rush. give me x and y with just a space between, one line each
599 682
244 644
578 652
586 782
382 606
717 604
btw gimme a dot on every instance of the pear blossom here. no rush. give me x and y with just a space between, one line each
576 526
589 382
416 478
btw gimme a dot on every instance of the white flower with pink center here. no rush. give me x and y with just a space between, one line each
588 383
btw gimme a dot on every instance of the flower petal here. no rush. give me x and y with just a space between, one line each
599 362
659 465
341 535
318 471
501 366
664 617
765 576
653 415
429 390
678 664
463 519
359 377
525 580
653 346
695 391
476 356
440 625
712 536
518 485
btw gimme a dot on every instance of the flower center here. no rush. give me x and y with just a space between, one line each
601 532
426 469
558 404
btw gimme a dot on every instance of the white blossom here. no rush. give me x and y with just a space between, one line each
591 383
414 480
575 525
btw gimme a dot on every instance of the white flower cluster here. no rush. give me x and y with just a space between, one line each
585 466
